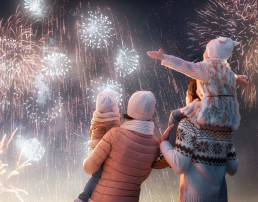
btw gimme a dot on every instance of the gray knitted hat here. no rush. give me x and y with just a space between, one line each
141 105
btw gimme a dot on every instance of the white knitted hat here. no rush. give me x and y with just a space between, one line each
106 102
141 105
221 47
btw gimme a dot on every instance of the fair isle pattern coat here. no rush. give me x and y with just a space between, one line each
127 157
216 86
202 157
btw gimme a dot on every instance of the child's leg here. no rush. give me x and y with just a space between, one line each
90 186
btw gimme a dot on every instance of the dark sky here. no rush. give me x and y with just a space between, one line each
167 21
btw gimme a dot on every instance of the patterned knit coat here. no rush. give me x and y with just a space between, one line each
216 86
127 157
201 157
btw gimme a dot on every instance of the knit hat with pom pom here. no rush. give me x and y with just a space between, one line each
106 102
221 48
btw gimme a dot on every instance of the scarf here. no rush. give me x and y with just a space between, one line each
104 117
144 127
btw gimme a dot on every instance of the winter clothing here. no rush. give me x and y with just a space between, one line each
106 102
104 118
99 129
216 86
144 127
175 117
141 105
221 47
90 186
202 157
127 156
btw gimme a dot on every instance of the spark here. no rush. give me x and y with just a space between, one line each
96 30
109 86
126 61
56 65
43 112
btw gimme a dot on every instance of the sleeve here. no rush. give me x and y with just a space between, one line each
112 124
90 132
100 153
179 157
191 69
232 160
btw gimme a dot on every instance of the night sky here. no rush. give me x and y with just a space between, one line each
144 25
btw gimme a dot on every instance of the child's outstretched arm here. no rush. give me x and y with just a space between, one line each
190 69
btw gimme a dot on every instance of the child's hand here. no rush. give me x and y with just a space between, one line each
166 133
241 80
159 55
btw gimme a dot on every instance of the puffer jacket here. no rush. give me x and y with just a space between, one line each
99 129
127 157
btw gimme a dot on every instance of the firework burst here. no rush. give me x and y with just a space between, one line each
5 175
109 85
237 19
20 59
31 149
56 65
35 7
96 30
126 61
43 112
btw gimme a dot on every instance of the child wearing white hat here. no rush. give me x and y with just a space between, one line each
105 117
216 84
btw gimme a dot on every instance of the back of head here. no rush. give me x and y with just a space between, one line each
106 102
192 88
220 48
141 105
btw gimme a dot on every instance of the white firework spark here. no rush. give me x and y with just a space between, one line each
56 65
43 113
126 61
35 7
109 86
31 149
96 30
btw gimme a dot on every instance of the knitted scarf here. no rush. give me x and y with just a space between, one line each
104 117
144 127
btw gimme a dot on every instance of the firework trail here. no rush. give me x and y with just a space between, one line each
5 175
237 19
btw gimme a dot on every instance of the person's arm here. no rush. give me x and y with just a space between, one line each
241 80
232 160
100 153
191 69
179 157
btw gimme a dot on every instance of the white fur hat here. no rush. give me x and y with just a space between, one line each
141 105
106 102
221 47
